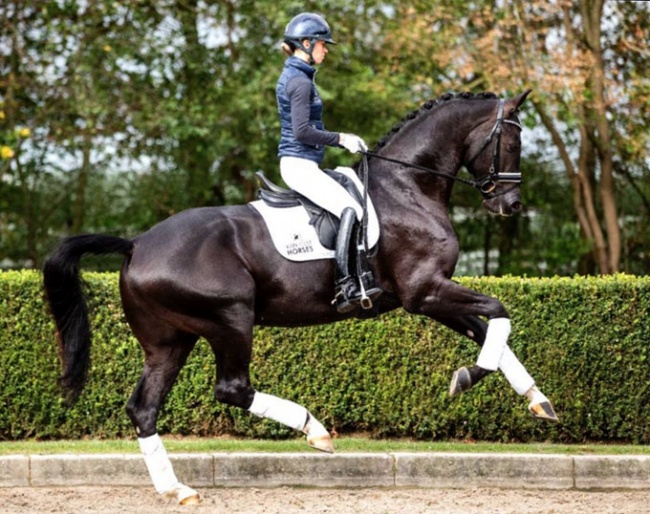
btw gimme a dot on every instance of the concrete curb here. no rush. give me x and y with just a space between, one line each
433 470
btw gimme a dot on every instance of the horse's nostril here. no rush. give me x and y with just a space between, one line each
515 206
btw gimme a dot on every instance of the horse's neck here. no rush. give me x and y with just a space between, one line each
437 141
428 145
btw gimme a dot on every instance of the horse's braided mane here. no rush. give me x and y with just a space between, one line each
430 104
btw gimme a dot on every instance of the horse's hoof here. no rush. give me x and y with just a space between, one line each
543 410
322 443
183 495
191 500
460 382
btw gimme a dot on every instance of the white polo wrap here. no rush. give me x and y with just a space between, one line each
280 410
496 339
515 372
158 463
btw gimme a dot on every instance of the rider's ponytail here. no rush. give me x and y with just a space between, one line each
288 48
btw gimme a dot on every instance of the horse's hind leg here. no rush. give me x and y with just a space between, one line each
514 371
232 348
293 415
166 351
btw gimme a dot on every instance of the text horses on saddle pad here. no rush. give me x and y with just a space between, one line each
213 272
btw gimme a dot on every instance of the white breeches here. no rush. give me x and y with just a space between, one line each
305 177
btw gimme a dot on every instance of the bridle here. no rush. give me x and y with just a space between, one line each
487 184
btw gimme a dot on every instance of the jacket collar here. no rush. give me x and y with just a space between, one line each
296 62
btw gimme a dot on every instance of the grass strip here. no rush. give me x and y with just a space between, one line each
342 445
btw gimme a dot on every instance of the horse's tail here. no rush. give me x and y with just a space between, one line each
68 304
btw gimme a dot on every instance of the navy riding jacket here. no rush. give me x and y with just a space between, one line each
300 107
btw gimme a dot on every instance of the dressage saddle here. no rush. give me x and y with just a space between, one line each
325 223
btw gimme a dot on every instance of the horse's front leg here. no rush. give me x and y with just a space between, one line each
475 328
465 378
458 308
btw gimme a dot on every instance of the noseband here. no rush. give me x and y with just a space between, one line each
487 184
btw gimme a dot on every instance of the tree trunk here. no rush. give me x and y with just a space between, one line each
592 11
583 198
79 206
194 155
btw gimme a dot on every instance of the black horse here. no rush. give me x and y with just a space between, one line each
213 273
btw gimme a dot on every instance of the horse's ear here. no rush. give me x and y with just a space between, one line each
514 103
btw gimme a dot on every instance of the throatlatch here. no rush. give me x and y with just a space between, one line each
352 290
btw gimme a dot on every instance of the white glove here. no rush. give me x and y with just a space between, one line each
353 143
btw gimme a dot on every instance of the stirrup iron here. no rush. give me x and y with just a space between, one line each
365 301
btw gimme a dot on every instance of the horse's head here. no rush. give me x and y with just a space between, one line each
494 155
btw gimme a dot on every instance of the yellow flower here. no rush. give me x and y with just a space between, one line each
2 115
6 152
24 132
108 48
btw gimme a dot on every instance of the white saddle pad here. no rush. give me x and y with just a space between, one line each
296 239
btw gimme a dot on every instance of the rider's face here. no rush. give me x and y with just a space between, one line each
319 52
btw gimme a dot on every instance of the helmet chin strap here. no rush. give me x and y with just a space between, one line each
309 50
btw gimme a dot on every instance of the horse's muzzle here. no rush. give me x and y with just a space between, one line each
505 204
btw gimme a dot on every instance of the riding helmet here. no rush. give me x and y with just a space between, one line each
308 26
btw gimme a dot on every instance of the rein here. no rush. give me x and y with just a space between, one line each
486 184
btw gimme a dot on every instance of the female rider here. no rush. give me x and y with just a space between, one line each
301 151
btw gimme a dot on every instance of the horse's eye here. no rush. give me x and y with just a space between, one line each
512 148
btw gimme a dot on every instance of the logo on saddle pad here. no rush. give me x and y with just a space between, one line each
299 245
293 225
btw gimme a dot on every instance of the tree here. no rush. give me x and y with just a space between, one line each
183 88
137 110
571 54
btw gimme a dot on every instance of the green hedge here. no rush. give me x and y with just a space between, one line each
585 340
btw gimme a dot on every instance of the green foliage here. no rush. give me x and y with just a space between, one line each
138 110
583 339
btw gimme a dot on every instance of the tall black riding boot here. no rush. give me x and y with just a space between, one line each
349 294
